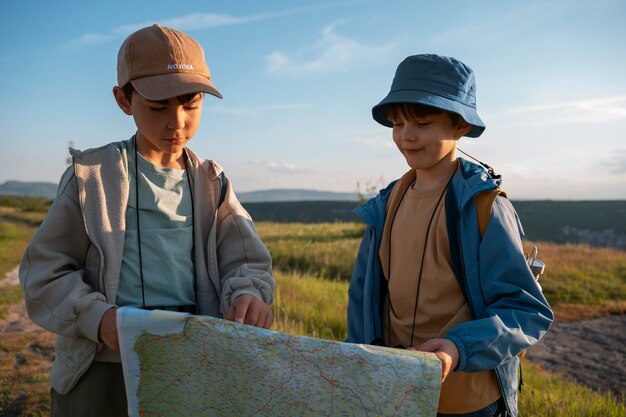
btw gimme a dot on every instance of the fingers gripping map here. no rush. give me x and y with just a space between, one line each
177 364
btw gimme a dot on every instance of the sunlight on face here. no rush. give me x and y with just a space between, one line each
165 127
425 141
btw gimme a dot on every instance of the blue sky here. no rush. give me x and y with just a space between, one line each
299 79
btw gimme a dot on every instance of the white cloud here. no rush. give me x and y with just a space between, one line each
332 52
282 167
597 110
376 139
192 21
198 21
195 21
89 39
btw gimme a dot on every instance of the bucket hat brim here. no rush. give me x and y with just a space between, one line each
469 114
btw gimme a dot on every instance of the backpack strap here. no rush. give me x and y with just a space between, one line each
223 189
484 206
484 202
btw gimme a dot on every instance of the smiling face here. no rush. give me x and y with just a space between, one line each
427 138
163 127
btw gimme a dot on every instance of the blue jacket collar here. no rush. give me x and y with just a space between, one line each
470 180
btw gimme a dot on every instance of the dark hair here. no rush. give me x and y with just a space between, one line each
415 111
128 90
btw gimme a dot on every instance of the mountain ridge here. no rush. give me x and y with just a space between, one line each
49 190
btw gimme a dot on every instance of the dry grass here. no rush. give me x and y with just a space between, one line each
309 306
554 395
579 281
25 360
583 282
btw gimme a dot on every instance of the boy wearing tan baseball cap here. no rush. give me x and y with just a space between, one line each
142 222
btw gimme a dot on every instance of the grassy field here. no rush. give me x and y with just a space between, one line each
579 281
313 263
544 394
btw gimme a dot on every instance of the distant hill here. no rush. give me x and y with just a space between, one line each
49 190
33 189
596 223
297 194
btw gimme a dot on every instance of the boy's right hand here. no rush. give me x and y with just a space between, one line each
107 333
250 310
445 350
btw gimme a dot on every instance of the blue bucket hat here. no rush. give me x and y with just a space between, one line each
435 81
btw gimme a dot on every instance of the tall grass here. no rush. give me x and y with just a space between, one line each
25 360
25 203
313 264
323 249
24 382
581 275
309 306
16 228
591 279
554 395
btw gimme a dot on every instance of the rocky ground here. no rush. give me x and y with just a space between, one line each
593 352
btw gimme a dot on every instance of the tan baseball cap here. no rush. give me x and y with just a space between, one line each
162 63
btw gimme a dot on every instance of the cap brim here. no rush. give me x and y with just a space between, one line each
163 87
469 114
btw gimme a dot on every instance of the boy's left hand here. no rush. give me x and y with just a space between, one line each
251 310
445 350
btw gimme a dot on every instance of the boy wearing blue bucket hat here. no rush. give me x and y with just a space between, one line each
426 278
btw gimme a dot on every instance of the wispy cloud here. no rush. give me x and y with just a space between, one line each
192 21
196 21
332 52
282 167
495 27
597 110
255 111
89 39
375 138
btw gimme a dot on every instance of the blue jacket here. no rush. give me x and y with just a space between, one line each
510 312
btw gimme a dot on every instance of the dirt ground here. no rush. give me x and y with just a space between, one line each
593 352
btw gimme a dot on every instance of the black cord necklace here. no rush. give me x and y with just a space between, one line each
193 233
419 276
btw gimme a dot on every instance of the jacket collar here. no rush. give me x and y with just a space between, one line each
466 183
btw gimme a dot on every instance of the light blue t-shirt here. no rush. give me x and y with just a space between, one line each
166 233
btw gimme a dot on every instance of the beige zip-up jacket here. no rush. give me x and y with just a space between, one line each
70 270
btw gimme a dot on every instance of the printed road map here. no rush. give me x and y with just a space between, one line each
176 364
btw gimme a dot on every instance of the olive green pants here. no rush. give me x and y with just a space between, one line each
100 392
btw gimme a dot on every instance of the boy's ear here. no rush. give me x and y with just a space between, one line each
462 128
120 99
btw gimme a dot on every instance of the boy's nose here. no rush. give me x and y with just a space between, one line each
408 133
177 119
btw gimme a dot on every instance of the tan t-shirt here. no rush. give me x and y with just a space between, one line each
440 301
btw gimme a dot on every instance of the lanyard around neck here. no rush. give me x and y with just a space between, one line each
419 277
193 243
